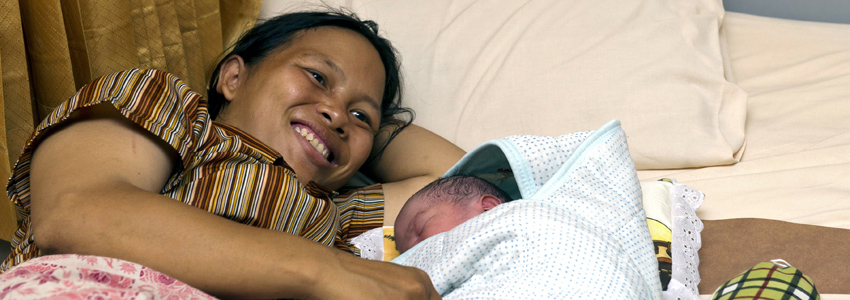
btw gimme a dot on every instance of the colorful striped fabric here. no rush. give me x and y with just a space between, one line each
769 281
224 170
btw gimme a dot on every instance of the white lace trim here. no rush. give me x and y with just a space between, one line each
686 242
371 244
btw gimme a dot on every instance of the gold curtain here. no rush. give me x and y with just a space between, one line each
51 48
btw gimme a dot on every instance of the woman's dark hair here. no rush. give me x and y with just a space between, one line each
272 35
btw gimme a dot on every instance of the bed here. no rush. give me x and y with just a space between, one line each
752 111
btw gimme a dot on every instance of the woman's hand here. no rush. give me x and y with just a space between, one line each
357 278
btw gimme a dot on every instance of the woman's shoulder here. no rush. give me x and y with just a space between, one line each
156 100
135 81
145 96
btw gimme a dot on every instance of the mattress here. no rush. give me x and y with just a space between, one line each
796 162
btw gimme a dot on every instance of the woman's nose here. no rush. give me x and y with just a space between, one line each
335 115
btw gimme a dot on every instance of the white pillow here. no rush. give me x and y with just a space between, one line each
480 70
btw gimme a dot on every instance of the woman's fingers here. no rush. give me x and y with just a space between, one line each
397 282
359 278
419 285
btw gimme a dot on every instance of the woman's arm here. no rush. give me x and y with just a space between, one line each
412 160
94 191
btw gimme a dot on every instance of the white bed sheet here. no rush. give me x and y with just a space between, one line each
796 165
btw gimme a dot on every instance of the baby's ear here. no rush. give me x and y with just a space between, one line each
488 202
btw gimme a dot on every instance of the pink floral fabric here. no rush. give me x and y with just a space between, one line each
71 276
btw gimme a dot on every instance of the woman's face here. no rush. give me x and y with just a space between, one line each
317 102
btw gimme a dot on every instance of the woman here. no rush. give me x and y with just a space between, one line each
299 105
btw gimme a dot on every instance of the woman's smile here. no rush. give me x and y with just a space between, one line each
312 137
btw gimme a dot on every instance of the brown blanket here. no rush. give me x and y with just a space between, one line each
732 246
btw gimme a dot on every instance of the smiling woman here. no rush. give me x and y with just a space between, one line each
327 82
299 105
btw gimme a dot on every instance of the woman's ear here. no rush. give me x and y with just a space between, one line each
231 75
488 202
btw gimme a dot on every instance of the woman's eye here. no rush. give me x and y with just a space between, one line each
362 117
318 77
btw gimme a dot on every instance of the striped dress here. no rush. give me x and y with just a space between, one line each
223 170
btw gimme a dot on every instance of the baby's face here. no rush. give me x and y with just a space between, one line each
418 221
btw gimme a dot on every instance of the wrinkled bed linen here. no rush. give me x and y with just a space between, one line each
72 276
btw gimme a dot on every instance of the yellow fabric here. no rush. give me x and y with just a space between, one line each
69 43
51 64
240 17
8 222
390 251
209 24
16 93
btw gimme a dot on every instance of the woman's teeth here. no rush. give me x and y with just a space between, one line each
313 141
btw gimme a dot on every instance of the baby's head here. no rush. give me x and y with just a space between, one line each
442 205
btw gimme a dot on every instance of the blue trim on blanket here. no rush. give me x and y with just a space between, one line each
578 156
513 158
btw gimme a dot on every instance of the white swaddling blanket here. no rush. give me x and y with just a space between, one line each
579 231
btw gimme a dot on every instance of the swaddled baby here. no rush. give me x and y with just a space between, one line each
442 205
521 246
574 227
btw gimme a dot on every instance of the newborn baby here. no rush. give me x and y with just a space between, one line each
574 228
442 205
